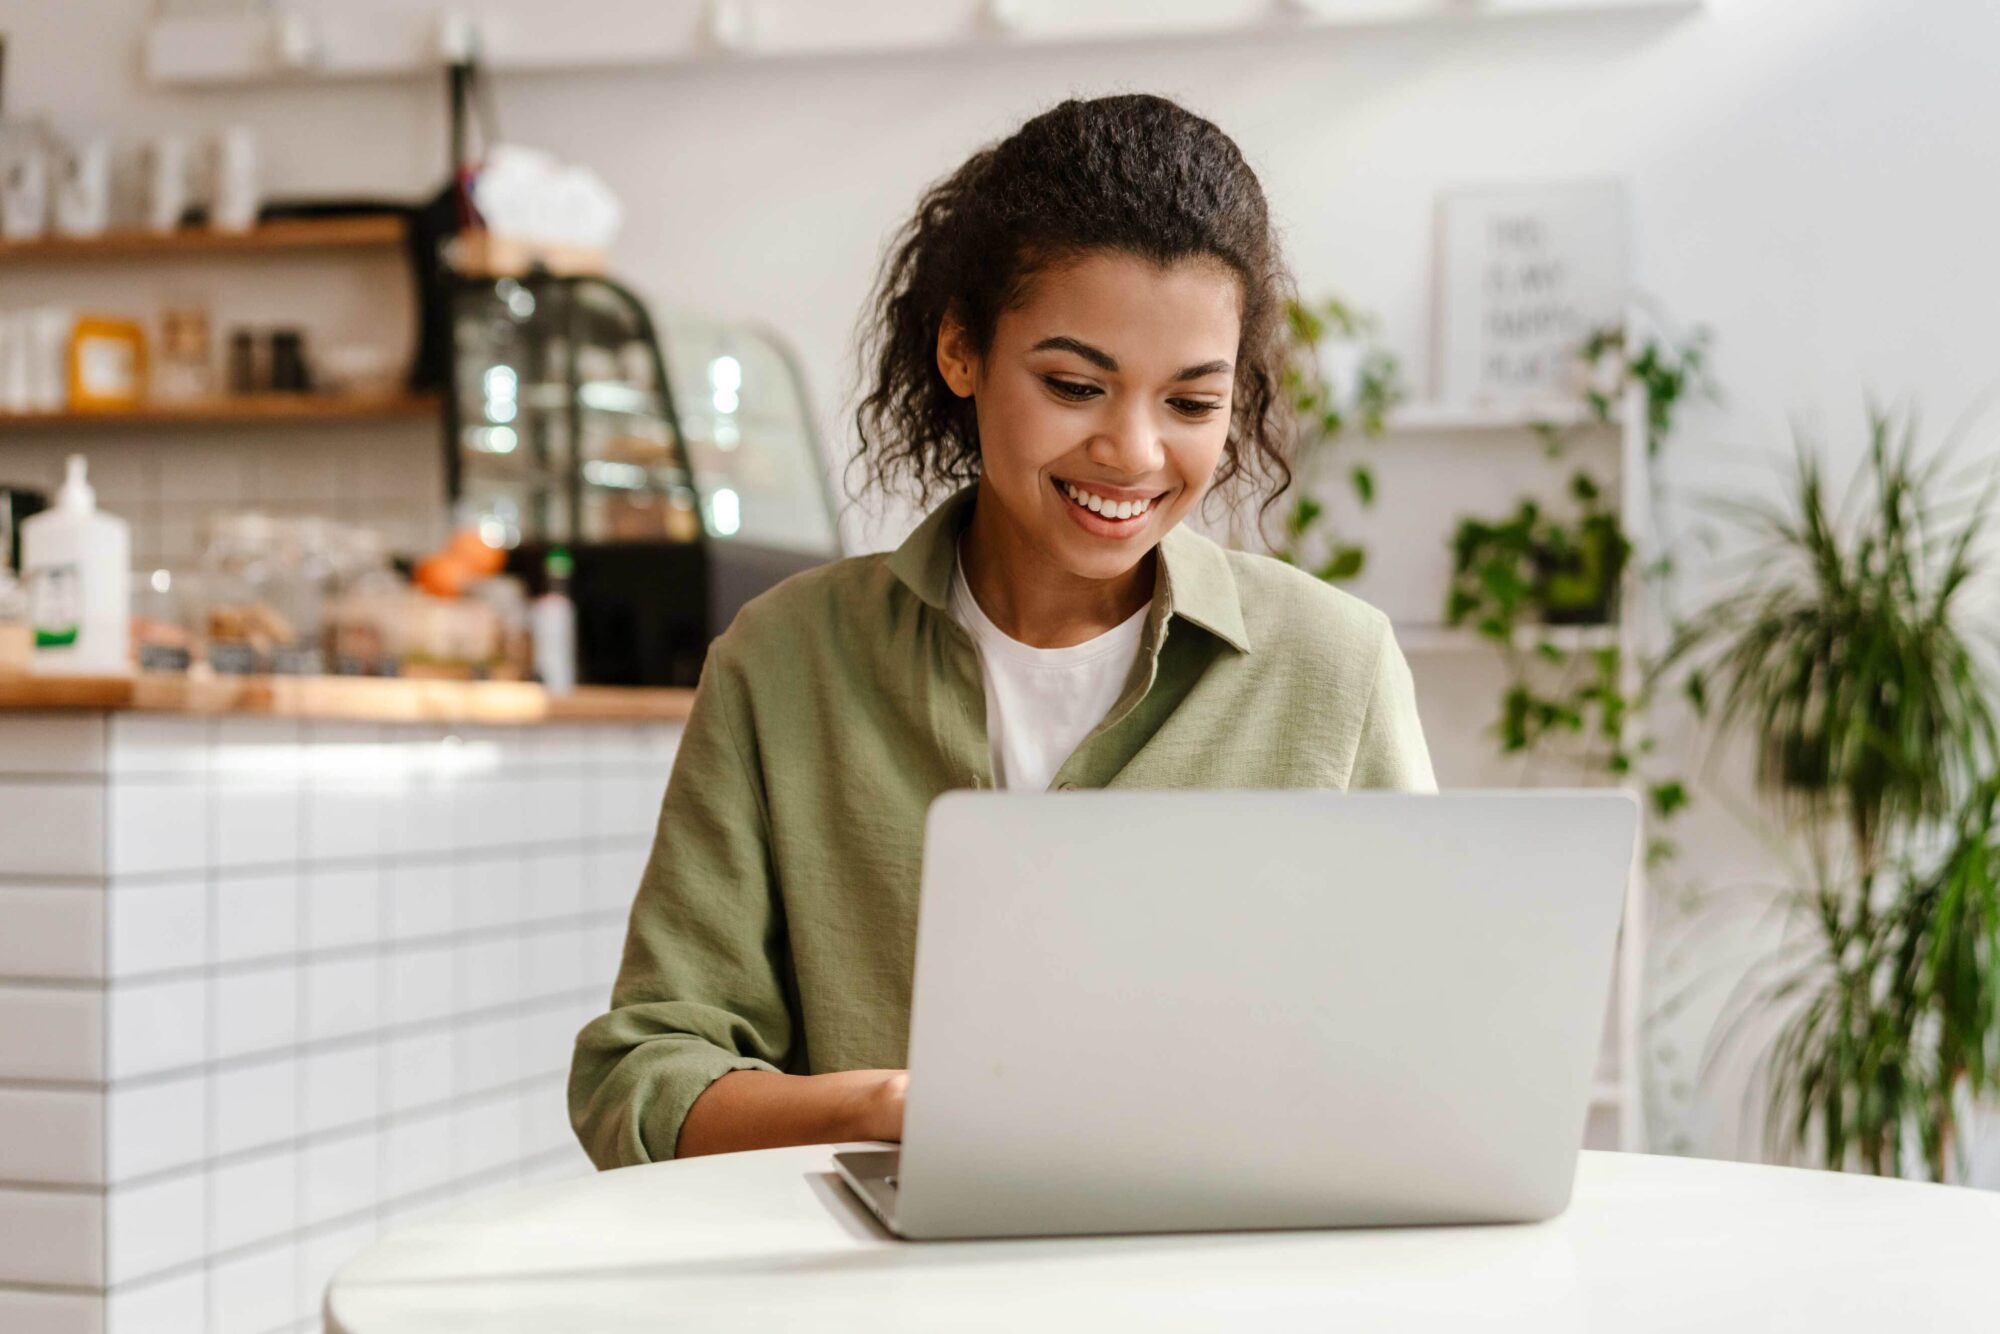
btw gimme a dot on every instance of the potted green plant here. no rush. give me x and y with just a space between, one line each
1841 658
1533 568
1579 574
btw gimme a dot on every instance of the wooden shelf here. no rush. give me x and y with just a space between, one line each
1451 419
1462 639
240 410
365 230
483 254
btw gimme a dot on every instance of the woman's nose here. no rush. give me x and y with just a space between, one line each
1127 443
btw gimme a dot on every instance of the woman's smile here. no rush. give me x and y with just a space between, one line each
1106 511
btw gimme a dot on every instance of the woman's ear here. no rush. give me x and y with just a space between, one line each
956 361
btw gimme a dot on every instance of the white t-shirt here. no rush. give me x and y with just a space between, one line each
1042 702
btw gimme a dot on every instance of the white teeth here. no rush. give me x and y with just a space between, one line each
1110 509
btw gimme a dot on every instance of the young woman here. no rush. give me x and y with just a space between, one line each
1079 333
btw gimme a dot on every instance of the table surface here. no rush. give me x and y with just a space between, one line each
772 1241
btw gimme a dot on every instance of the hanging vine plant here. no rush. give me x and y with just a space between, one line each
1330 406
1519 580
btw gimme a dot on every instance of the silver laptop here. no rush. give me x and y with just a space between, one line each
1182 1011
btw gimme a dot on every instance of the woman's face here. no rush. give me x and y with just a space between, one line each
1103 403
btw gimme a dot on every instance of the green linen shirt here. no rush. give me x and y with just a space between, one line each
775 925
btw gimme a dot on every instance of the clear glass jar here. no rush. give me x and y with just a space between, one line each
308 567
163 625
184 368
242 580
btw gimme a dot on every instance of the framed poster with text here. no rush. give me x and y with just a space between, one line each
1525 273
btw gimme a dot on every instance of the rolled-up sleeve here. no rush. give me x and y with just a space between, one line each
701 989
1392 752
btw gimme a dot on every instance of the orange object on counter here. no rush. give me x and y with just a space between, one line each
441 576
465 558
107 363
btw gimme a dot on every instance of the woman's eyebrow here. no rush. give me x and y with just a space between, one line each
1103 360
1064 343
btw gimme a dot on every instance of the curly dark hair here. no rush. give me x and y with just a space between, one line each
1135 174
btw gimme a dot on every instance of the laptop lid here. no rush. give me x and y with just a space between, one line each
1153 1011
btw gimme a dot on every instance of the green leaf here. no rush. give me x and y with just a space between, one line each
1345 563
1363 481
1668 797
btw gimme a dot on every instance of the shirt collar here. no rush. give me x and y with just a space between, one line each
1199 586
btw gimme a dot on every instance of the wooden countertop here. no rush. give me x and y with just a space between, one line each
353 698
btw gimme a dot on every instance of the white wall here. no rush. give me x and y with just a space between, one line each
1817 182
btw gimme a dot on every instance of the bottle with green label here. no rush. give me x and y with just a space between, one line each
76 561
552 621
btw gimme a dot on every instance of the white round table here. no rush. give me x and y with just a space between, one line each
772 1241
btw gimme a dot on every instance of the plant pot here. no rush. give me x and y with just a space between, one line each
1579 585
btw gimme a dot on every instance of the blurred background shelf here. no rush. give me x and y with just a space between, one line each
219 49
359 231
1448 418
1464 639
243 409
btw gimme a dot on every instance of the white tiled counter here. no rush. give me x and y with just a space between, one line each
269 985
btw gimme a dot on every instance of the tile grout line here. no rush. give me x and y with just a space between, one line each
530 928
381 1124
483 1180
497 852
315 1047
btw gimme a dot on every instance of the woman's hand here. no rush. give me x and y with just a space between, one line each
756 1109
881 1110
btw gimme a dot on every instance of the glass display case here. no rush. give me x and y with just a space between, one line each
564 428
678 464
576 420
748 432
